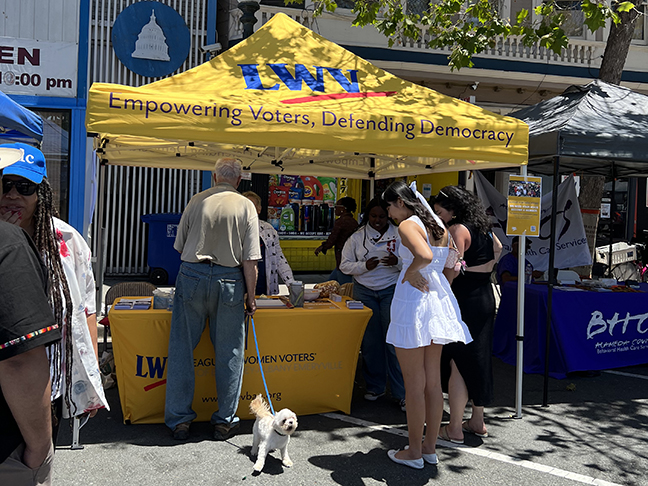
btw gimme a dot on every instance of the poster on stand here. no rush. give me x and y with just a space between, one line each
524 193
301 205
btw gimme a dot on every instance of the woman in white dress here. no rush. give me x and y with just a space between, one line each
424 316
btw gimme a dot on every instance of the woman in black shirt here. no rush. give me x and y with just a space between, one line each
466 369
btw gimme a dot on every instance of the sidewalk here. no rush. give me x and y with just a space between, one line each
595 431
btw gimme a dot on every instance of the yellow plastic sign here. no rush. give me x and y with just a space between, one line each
524 194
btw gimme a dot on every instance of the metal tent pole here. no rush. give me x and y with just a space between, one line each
552 277
372 177
612 211
101 238
519 338
76 427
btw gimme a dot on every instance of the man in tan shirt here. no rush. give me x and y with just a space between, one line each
218 237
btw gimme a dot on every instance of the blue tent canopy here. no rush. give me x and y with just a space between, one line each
16 118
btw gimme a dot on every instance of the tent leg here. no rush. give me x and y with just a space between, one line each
372 178
519 338
612 211
101 240
552 277
76 428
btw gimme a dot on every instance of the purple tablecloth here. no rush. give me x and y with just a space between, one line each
590 330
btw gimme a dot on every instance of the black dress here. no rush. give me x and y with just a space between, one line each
474 294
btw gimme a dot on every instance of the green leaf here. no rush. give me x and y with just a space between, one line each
625 6
522 16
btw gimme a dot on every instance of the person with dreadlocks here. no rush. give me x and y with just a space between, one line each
27 202
370 256
26 327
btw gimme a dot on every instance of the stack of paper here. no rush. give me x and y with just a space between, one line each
124 304
143 304
134 304
354 304
270 304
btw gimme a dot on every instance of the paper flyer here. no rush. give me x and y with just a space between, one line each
524 194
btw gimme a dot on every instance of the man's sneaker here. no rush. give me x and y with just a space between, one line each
372 397
401 404
181 431
225 431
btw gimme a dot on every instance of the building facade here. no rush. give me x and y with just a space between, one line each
43 66
51 51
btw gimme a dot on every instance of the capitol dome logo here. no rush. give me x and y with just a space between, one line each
151 39
151 43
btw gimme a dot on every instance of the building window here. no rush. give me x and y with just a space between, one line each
640 25
346 4
574 18
56 147
281 3
417 6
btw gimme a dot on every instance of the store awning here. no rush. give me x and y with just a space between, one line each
286 99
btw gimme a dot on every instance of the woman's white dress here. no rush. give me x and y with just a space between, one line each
421 318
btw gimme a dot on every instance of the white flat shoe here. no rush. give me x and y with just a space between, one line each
414 463
429 458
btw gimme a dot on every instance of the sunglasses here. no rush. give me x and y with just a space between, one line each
24 188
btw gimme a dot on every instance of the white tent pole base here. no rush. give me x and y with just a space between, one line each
519 365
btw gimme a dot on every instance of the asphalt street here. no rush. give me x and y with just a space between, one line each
594 431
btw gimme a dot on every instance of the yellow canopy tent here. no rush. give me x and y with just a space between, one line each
286 99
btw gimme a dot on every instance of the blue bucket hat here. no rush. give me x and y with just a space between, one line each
31 164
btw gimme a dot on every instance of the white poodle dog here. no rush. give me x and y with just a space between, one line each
271 432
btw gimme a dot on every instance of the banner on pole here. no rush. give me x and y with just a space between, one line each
523 215
571 241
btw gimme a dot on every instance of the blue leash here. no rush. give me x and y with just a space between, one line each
265 385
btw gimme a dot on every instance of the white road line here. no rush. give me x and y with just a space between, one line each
622 373
478 452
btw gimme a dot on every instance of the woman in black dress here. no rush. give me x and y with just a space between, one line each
467 368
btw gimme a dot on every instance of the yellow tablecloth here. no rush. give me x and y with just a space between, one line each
309 358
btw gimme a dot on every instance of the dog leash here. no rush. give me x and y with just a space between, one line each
265 385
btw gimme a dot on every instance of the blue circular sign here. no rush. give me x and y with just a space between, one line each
151 39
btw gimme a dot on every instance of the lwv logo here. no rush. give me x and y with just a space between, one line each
316 81
150 366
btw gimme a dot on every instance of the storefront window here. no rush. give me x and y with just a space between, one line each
56 147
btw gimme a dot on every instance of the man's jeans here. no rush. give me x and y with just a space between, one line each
379 357
206 291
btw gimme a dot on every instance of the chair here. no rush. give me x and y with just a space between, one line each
347 289
123 289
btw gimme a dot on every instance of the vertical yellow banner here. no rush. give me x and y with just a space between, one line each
524 194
